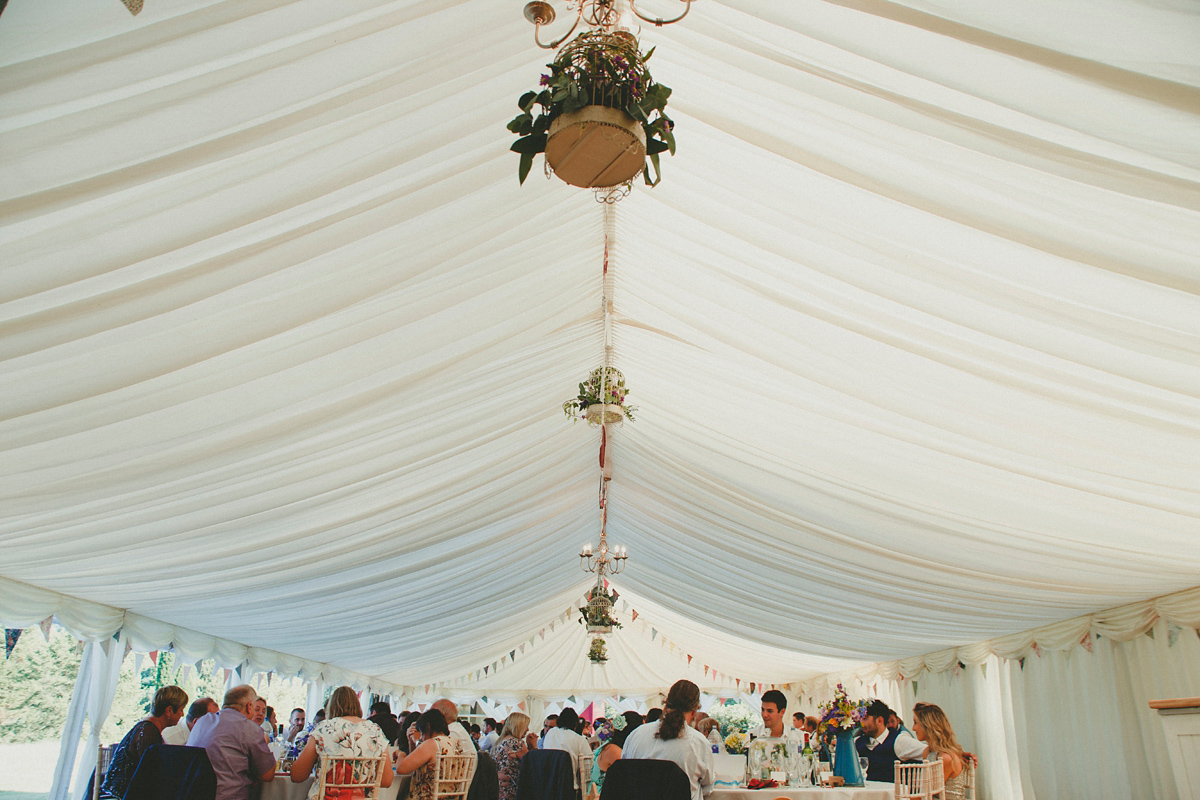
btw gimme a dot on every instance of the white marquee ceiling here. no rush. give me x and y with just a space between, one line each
911 323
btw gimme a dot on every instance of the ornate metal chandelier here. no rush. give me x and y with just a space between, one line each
600 15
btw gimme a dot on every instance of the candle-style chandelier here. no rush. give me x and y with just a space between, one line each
600 15
603 561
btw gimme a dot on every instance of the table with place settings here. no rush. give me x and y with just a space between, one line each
873 790
282 788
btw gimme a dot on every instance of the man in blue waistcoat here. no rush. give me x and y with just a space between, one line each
883 747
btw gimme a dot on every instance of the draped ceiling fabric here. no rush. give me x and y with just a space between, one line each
911 324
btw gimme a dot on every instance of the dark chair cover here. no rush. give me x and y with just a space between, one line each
645 779
173 772
546 775
486 783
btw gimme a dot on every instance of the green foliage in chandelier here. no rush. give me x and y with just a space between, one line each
605 385
599 614
603 69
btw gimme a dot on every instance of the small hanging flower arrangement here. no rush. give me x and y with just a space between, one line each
603 390
598 652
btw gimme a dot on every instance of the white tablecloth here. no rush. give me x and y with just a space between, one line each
282 788
874 790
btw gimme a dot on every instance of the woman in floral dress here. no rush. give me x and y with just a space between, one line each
508 751
430 739
343 734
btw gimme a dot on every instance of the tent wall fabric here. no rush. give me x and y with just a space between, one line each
1068 724
912 324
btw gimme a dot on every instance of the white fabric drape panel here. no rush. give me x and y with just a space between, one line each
1067 723
91 699
912 324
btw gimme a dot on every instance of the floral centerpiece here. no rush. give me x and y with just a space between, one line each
736 742
604 388
598 652
841 713
597 614
597 69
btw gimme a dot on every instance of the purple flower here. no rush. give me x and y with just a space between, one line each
545 81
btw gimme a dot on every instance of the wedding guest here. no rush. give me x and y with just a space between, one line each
343 734
895 723
457 731
774 706
565 736
491 734
513 742
671 738
260 715
429 738
547 724
611 745
933 728
166 710
178 734
882 747
402 739
295 725
381 715
237 748
654 715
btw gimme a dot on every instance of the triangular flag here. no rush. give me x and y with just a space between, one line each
187 670
11 635
1037 650
653 634
523 647
983 668
154 657
751 687
45 626
689 661
512 655
1086 641
552 624
503 659
485 670
542 633
739 682
635 615
1173 632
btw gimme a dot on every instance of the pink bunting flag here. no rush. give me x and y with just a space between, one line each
45 626
689 660
1086 641
154 657
635 615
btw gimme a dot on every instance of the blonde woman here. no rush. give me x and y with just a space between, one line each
343 734
514 742
932 727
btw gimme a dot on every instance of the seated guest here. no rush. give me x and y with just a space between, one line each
236 746
671 738
933 728
565 736
166 710
295 725
178 734
343 734
514 741
429 739
654 715
271 723
550 722
774 706
491 734
402 740
883 748
457 731
612 740
260 716
381 715
895 723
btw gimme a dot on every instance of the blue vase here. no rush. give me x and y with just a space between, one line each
845 759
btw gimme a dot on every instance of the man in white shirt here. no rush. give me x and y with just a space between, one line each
564 736
882 747
178 734
457 731
491 733
774 712
682 744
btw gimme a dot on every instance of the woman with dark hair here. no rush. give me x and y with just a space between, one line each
612 739
169 706
429 739
672 738
565 736
343 734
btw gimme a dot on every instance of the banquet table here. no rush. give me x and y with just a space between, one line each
282 788
874 790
